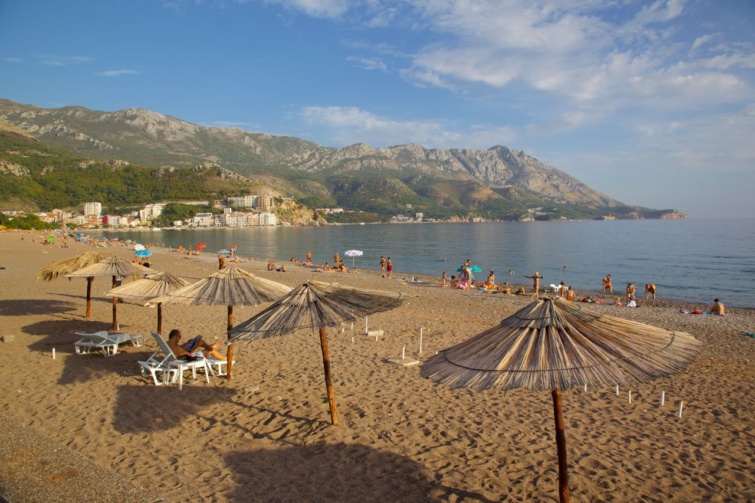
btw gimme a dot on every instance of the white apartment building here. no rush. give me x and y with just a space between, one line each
150 212
202 220
267 218
238 219
93 210
242 202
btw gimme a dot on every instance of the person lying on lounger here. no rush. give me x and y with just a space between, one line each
190 349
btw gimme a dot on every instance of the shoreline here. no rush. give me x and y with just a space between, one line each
266 435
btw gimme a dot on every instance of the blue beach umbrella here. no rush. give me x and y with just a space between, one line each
143 253
223 252
472 268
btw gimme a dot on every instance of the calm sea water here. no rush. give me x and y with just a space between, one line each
691 260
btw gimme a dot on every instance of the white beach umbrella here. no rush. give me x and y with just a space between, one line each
353 254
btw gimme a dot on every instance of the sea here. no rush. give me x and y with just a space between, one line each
693 260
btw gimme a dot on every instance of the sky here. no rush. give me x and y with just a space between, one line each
650 102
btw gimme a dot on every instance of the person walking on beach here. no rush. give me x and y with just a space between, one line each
309 257
535 284
382 266
389 267
443 280
650 291
607 284
336 259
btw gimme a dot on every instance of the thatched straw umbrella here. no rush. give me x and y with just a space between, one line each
552 345
150 287
316 305
230 287
111 266
69 265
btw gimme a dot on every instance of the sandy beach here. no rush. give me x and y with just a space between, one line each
266 435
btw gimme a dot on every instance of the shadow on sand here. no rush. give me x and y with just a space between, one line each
164 407
61 335
26 307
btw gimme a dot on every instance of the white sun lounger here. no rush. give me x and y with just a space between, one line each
106 342
171 367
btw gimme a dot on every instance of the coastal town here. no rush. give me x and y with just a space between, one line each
244 211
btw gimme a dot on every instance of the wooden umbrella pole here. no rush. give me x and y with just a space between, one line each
115 308
563 475
89 296
328 379
229 358
229 352
160 318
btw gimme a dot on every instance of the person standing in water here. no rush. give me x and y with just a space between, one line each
650 291
607 284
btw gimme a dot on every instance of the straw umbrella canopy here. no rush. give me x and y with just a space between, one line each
111 266
319 305
69 265
150 287
552 345
230 286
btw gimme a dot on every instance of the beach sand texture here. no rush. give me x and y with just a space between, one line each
266 435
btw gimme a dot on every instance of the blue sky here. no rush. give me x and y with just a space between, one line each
652 103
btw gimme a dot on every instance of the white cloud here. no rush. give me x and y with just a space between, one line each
13 60
349 125
117 73
700 41
57 60
369 63
315 8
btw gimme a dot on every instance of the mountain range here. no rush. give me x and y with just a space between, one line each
497 183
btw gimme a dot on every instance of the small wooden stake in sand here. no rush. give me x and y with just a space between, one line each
681 408
406 362
663 398
420 339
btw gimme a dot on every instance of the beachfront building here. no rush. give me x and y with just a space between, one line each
151 211
263 203
267 218
93 210
202 220
238 219
114 221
